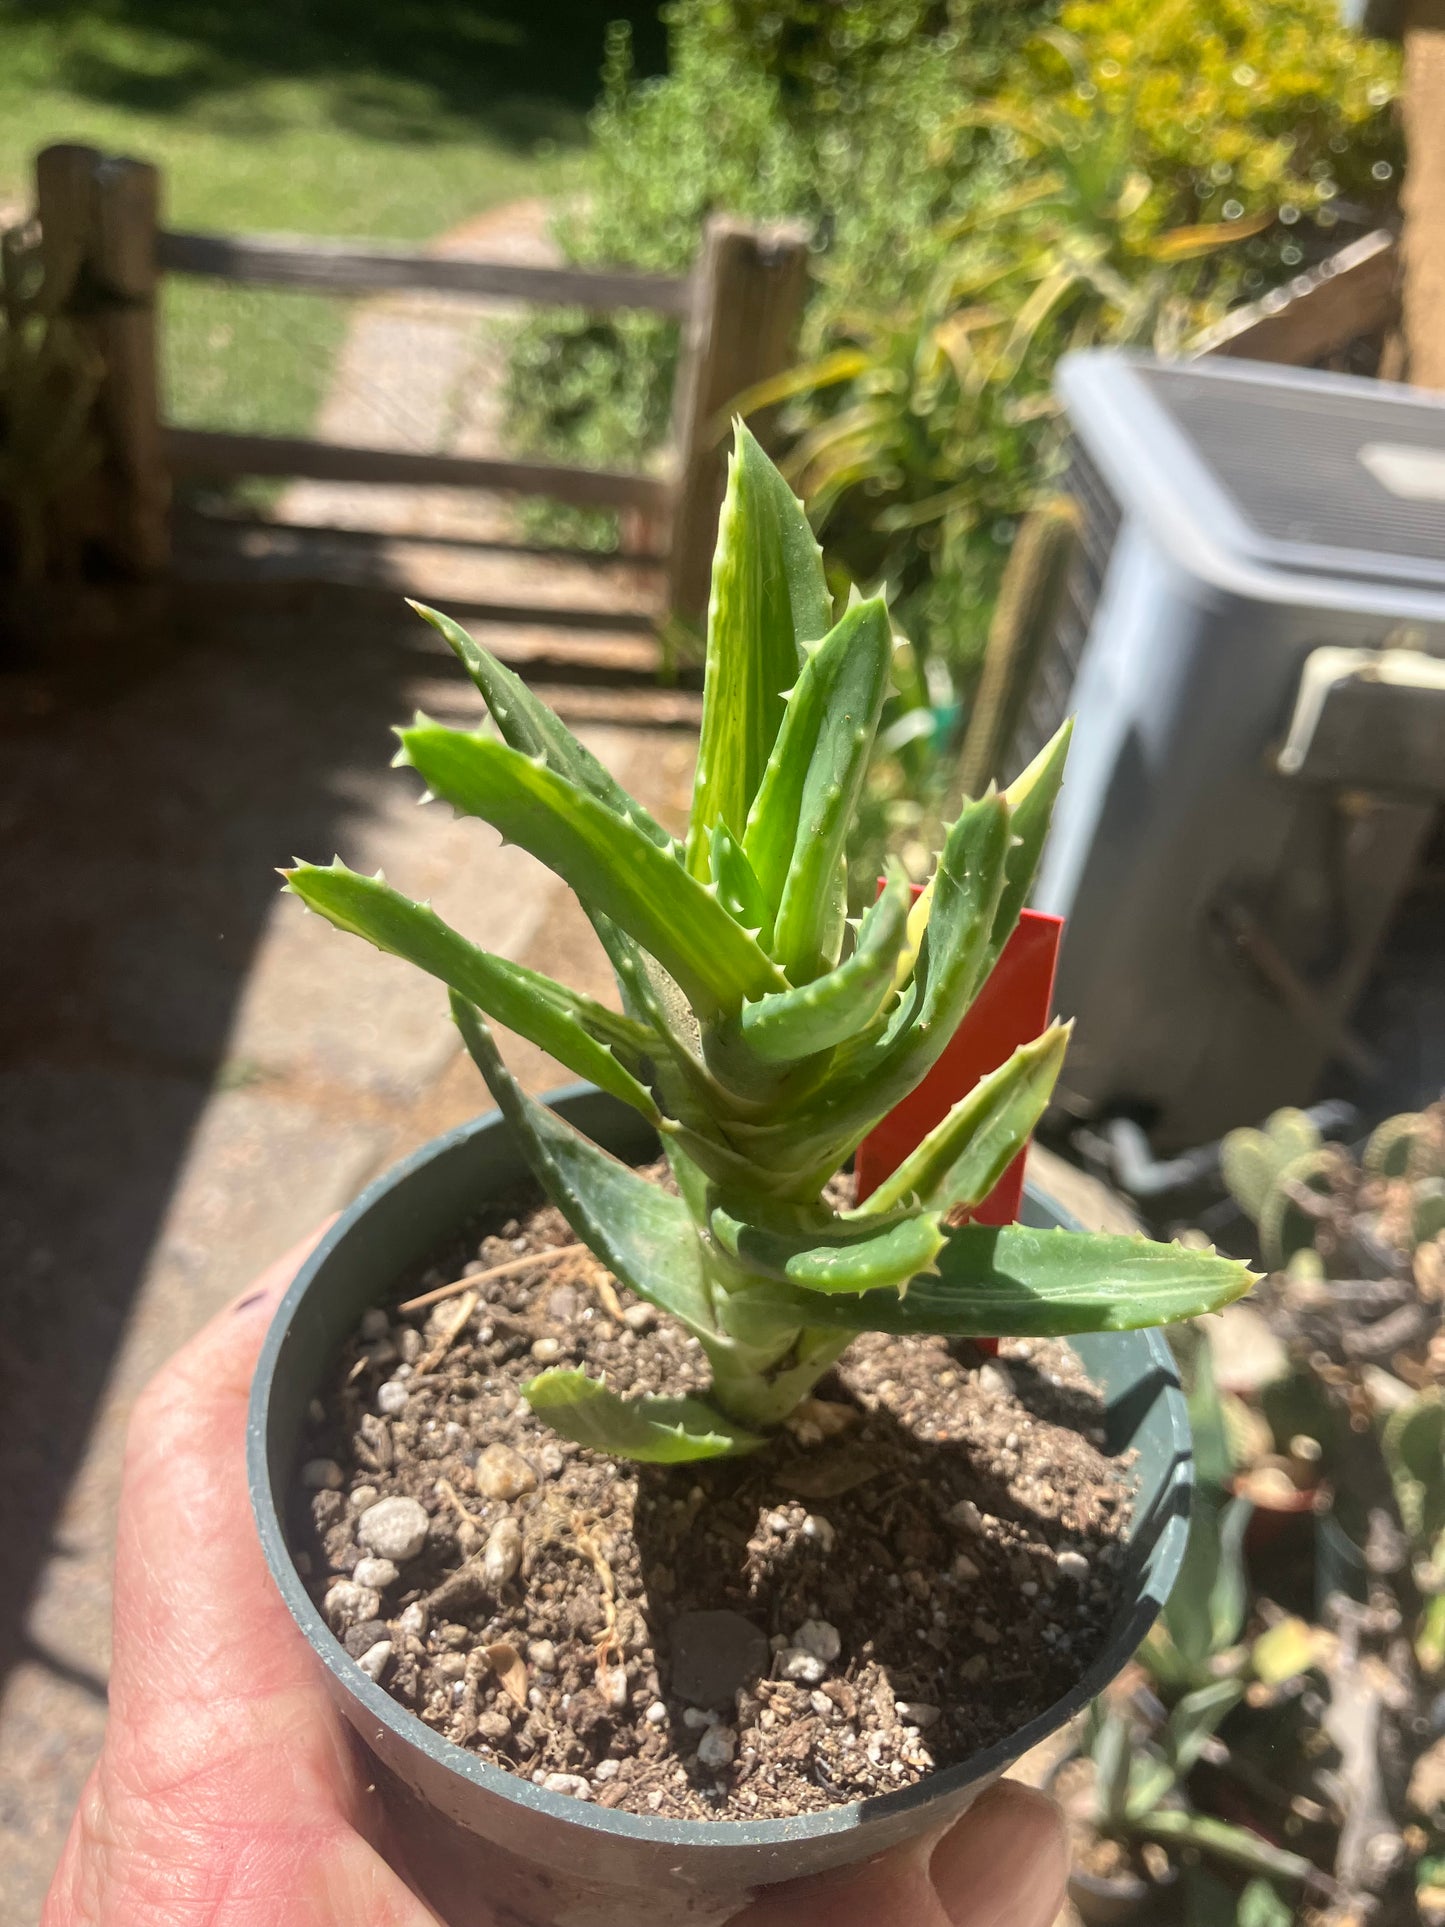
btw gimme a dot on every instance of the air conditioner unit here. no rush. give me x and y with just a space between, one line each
1254 648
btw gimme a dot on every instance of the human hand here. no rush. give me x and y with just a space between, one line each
227 1795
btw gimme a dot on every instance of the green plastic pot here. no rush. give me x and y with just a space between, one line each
489 1849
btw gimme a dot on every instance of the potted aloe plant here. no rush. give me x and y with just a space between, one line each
670 1538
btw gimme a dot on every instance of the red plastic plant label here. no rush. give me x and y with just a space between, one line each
1012 1007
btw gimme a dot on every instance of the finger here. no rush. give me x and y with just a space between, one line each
197 1617
1003 1864
1006 1862
225 1791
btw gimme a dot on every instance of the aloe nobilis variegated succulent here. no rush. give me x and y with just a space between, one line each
761 1034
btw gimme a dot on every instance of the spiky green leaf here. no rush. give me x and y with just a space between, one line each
1031 798
658 1431
839 1005
739 891
640 1233
1012 1280
576 1030
606 859
813 1136
528 725
967 1152
804 807
835 1254
769 600
968 886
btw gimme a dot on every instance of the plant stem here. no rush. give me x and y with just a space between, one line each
763 1398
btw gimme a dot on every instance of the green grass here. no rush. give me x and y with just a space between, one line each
389 119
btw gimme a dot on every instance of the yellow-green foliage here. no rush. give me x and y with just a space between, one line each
1267 103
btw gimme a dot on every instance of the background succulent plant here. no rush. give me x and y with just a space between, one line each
760 1035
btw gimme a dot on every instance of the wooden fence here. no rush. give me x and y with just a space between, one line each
100 233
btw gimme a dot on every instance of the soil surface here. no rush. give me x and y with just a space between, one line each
930 1556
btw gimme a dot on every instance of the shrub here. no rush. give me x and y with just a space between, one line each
746 123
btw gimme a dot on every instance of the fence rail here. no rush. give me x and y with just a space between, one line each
216 454
99 219
341 267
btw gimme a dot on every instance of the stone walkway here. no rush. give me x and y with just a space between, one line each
192 1071
195 1072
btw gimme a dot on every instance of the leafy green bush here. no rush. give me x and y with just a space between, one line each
1274 105
666 153
746 123
989 187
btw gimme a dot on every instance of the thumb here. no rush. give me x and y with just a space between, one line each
1004 1864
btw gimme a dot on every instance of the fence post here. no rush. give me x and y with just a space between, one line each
65 206
127 220
749 287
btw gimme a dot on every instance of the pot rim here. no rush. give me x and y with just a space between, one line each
636 1828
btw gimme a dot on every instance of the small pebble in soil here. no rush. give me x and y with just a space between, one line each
715 1653
966 1515
503 1552
346 1602
994 1380
501 1473
391 1398
817 1637
716 1748
322 1475
806 1668
696 1719
572 1783
963 1568
376 1573
607 1769
639 1318
375 1660
362 1637
393 1528
543 1655
612 1685
1073 1565
375 1324
918 1713
363 1496
546 1351
819 1530
413 1621
656 1714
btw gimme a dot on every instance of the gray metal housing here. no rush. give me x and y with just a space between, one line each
1222 916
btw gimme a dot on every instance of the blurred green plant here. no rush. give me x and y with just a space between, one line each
1104 172
924 429
1140 1793
796 113
1247 104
